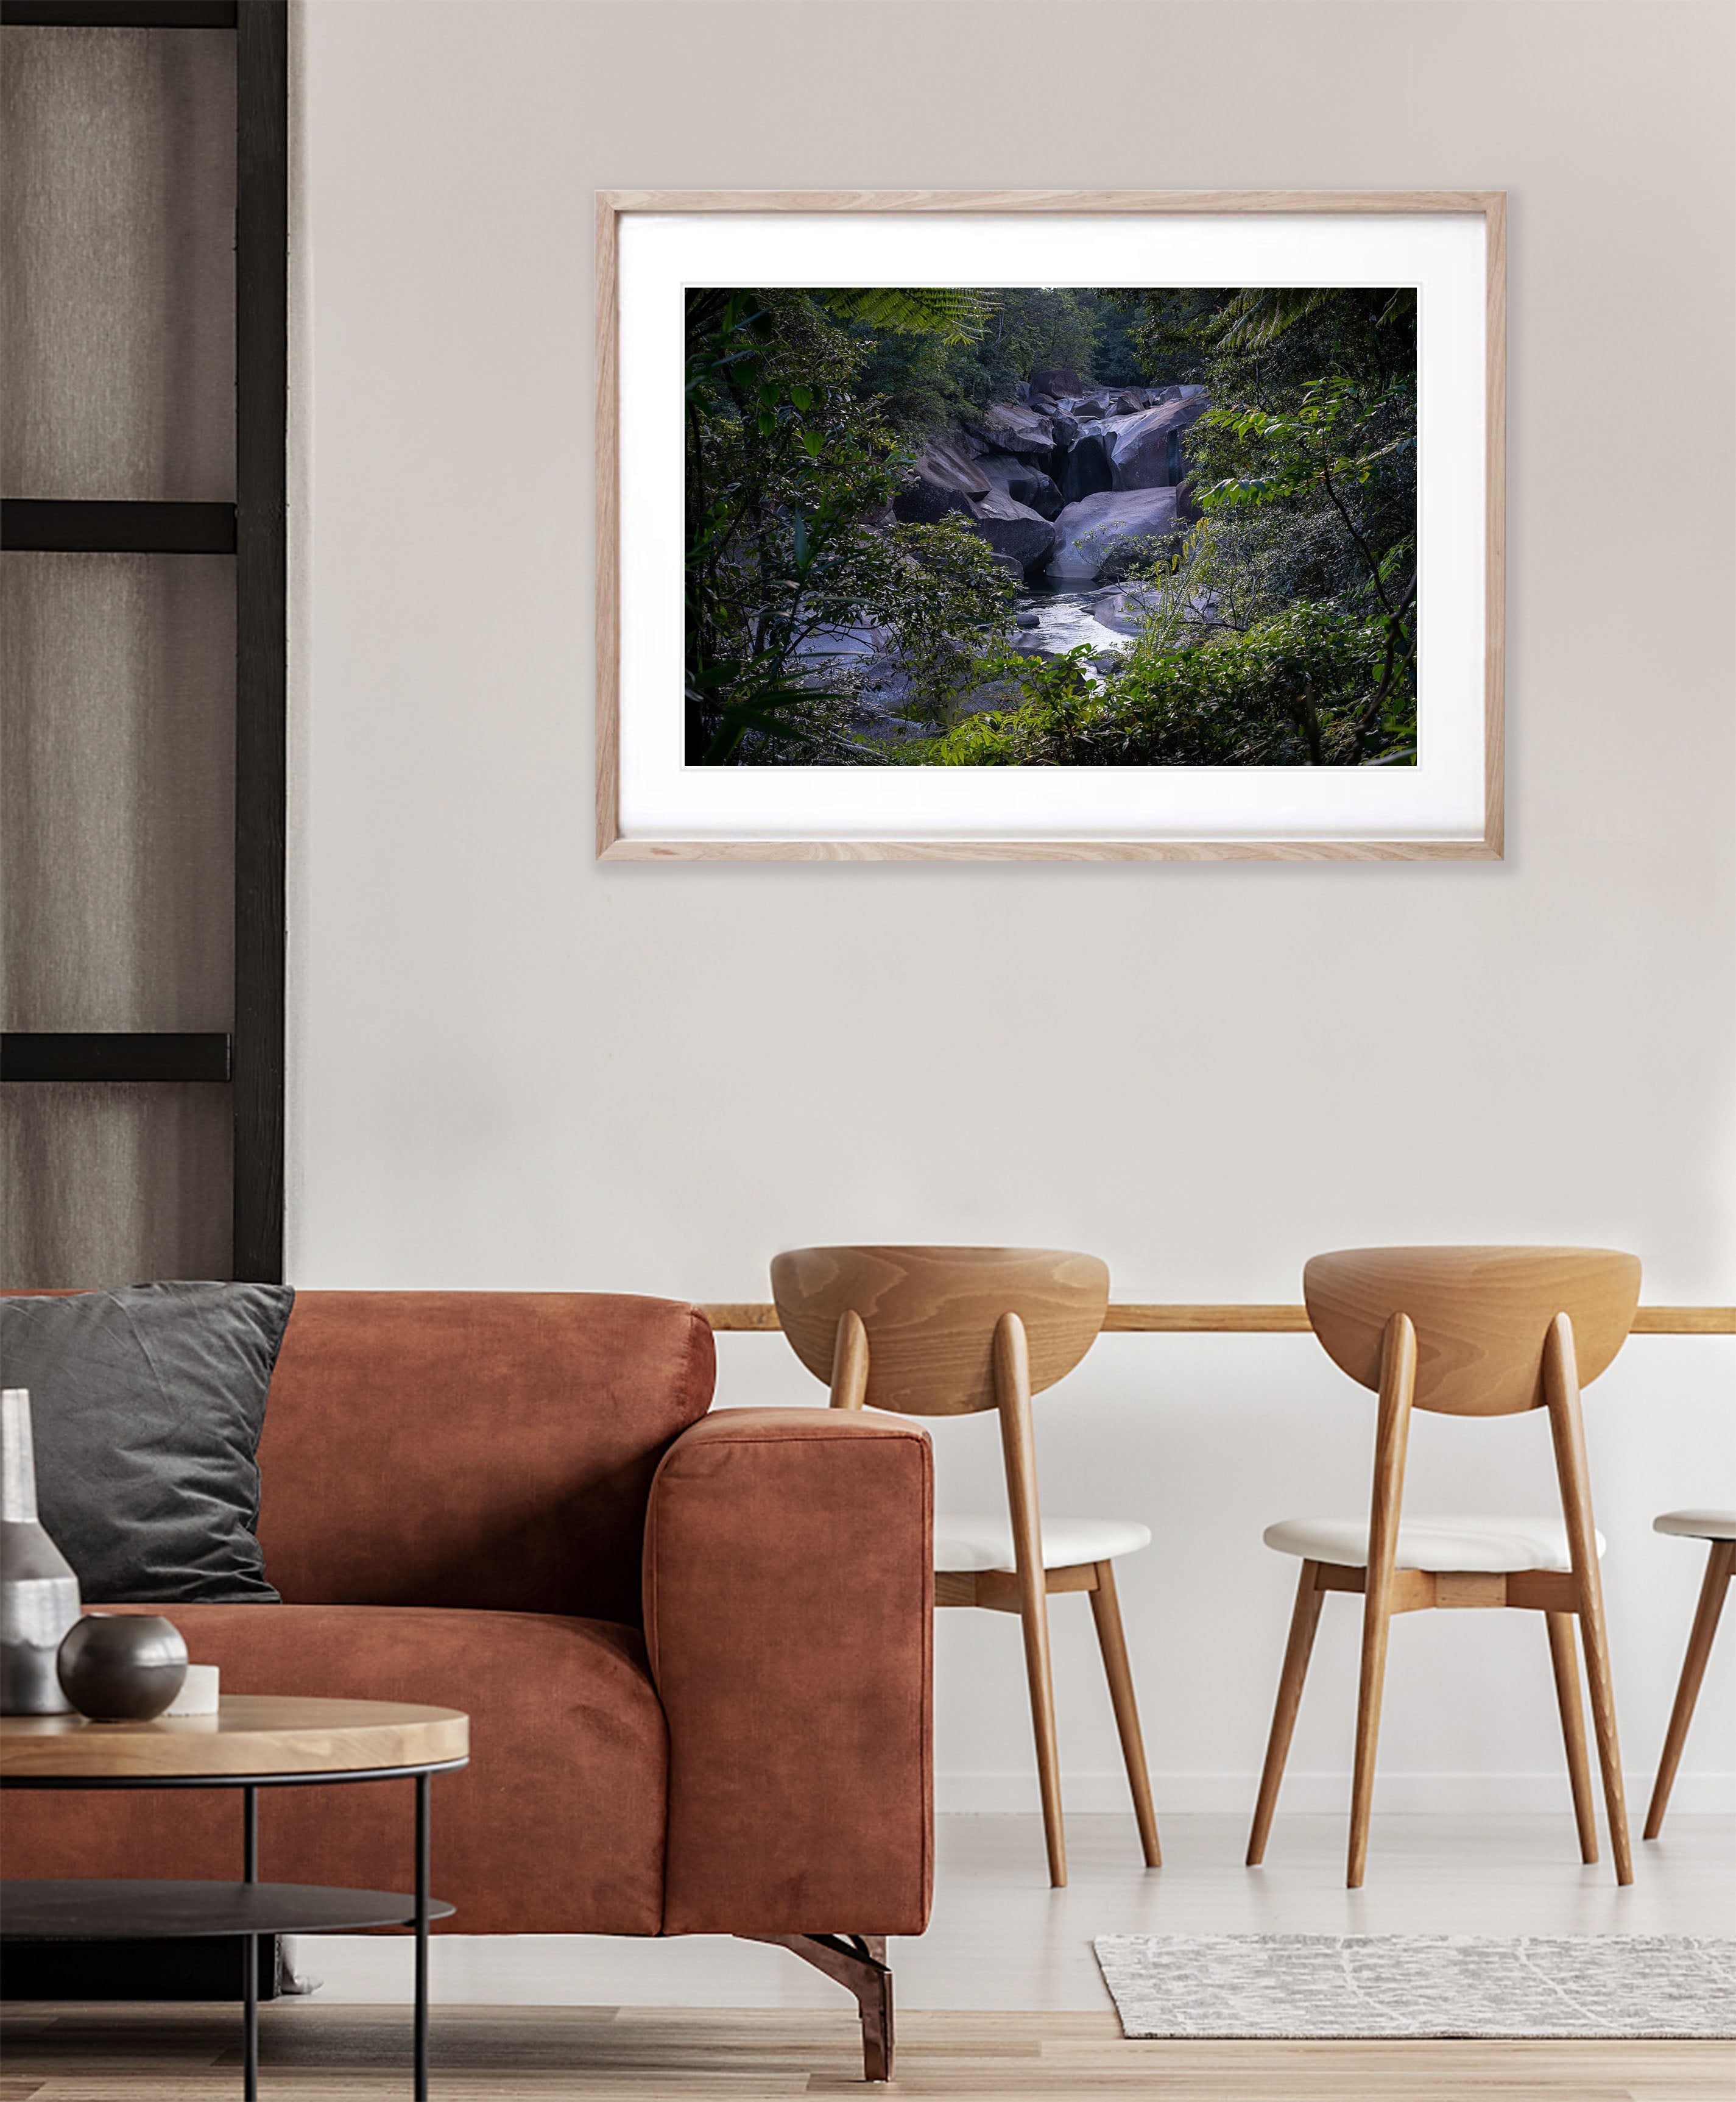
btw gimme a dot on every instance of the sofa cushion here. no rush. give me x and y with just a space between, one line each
555 1827
474 1448
146 1404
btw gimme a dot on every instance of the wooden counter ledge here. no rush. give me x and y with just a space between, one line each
1131 1317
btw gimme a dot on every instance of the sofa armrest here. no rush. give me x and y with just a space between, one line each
788 1608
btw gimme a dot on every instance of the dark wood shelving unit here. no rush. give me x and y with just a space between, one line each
119 14
262 400
115 1054
95 526
252 531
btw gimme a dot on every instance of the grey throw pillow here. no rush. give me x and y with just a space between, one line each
147 1404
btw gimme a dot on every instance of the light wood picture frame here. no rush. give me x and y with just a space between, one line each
650 807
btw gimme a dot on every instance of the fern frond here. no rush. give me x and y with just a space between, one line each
1260 314
956 315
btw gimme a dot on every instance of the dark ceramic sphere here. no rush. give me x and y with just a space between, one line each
122 1667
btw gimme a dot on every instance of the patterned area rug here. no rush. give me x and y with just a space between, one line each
1291 1985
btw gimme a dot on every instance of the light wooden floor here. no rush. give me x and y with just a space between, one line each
688 2019
1001 1938
348 2054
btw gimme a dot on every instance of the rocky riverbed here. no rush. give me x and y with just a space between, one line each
1054 478
1054 618
1051 620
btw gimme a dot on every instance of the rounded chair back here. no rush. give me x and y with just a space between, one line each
1481 1316
930 1314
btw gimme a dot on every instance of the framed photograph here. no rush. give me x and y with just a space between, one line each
1049 525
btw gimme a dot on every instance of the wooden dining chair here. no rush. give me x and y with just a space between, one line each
1465 1331
951 1331
1718 1527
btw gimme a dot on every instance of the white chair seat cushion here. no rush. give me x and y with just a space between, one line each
1697 1524
986 1543
1491 1545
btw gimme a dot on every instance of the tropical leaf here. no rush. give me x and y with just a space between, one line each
1259 314
953 314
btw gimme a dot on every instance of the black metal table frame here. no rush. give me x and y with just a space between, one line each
250 1784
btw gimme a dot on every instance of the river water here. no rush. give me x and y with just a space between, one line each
1065 619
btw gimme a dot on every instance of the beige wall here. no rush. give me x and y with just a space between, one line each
511 1067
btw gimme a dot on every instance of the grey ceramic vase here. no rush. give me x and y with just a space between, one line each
122 1667
38 1592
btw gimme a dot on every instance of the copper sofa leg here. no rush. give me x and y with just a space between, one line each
859 1961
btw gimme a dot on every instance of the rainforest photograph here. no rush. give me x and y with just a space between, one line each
1047 526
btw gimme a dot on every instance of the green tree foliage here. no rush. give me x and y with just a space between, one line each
1302 472
926 383
1117 361
1036 330
957 316
790 473
1297 690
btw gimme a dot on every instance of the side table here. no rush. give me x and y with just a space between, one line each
253 1741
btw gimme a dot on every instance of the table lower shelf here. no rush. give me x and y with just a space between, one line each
87 1908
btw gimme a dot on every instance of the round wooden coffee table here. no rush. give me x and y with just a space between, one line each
254 1741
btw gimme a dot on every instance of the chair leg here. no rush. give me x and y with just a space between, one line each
1720 1564
1560 1626
1302 1621
1602 1691
1376 1619
1106 1609
1391 1432
1567 1433
1033 1615
1019 1453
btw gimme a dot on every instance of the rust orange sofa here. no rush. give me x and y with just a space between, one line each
695 1647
